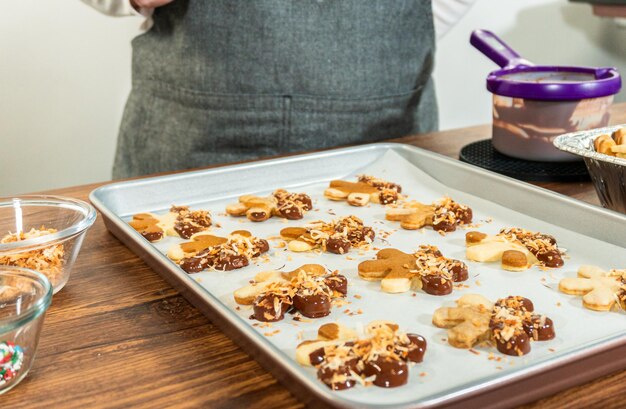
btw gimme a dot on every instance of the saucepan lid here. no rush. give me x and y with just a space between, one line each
519 78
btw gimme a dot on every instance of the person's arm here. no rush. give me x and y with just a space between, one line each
446 13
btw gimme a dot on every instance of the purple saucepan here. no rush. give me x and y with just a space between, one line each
534 104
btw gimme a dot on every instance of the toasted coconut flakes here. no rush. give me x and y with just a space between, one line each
48 261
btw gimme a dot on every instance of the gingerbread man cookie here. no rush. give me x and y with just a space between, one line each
219 253
517 249
344 359
178 222
337 237
510 323
367 189
281 203
601 290
309 289
444 216
426 269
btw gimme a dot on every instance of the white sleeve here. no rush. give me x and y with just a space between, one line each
117 8
446 13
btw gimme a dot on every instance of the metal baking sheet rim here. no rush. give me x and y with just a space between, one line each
496 388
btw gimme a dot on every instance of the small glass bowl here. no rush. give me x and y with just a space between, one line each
24 298
52 229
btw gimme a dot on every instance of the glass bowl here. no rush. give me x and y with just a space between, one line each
24 298
43 233
608 173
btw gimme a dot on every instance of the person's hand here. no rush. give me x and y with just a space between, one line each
148 4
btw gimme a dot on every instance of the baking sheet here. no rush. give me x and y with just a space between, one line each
446 372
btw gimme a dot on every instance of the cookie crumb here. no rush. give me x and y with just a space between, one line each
473 351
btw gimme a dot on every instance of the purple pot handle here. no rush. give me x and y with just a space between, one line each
490 45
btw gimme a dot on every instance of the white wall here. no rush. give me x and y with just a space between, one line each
64 77
65 74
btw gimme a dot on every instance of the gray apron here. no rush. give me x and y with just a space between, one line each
219 81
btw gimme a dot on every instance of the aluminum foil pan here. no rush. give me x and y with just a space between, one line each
608 173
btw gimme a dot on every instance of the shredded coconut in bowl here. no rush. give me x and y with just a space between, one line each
47 260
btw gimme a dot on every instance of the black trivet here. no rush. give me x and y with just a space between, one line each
482 154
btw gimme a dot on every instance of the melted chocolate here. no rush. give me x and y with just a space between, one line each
337 283
530 328
357 237
389 373
435 284
338 246
463 215
152 236
290 212
188 223
264 308
417 348
458 270
538 332
312 306
380 184
388 196
444 226
255 216
186 230
516 302
550 258
261 246
230 262
548 238
306 201
518 344
326 375
317 357
291 206
193 264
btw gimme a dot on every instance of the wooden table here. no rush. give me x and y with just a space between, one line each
118 335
